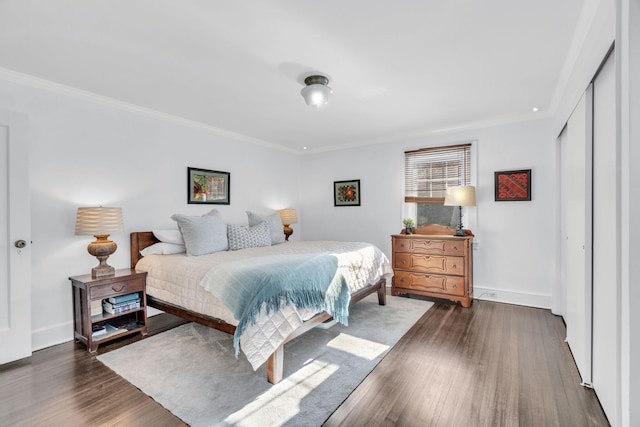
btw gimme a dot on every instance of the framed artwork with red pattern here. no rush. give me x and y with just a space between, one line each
512 186
346 193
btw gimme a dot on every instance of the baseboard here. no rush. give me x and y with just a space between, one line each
51 335
511 297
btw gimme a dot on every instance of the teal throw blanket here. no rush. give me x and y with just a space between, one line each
307 281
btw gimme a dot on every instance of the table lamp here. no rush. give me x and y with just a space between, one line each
288 216
100 222
464 195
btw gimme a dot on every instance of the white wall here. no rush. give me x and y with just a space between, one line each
515 254
84 153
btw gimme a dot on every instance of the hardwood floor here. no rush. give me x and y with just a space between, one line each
490 365
66 386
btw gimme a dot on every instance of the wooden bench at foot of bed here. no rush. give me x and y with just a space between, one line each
275 362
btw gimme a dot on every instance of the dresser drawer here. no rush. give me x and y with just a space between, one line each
429 282
117 288
430 246
429 263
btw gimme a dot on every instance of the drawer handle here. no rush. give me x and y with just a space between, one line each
403 262
118 290
454 266
455 248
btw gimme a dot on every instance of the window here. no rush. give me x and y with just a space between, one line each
427 174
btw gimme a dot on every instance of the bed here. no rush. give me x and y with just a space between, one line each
176 285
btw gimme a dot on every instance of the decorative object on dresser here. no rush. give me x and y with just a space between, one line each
100 222
288 216
123 307
408 225
346 193
513 186
433 262
463 195
208 187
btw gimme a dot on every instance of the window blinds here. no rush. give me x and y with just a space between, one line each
429 171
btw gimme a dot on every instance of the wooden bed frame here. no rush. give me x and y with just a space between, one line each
275 362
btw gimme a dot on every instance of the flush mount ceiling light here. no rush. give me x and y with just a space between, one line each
316 92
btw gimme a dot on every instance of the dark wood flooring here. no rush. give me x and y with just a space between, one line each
490 365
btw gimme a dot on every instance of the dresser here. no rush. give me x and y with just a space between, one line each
433 265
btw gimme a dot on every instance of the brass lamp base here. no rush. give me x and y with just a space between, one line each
101 248
288 231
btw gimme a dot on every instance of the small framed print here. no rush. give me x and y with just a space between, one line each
208 187
346 193
512 186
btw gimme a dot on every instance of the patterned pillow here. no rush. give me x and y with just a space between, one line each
242 237
275 225
204 234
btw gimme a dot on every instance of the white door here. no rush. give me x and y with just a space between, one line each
577 210
15 228
606 232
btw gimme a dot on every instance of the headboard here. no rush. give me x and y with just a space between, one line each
139 241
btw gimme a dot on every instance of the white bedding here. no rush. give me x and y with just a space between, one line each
181 280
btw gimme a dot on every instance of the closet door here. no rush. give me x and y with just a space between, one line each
606 232
576 206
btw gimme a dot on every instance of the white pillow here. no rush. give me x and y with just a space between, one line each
163 249
273 221
242 237
204 234
169 236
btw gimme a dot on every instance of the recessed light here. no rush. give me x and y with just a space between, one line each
534 109
304 148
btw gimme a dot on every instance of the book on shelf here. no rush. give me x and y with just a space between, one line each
98 330
96 307
120 304
114 329
123 298
120 308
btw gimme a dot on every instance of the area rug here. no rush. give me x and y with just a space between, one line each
191 370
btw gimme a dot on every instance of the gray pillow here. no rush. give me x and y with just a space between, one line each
242 237
204 234
273 221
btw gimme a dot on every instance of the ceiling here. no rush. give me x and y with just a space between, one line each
398 69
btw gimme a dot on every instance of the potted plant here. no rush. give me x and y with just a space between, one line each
408 225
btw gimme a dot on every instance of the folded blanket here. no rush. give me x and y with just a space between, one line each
305 281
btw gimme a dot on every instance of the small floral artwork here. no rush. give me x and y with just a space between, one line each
346 193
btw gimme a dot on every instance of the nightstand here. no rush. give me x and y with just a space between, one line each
129 311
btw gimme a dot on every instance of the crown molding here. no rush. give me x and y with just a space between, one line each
53 87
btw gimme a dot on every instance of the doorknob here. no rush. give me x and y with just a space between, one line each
20 244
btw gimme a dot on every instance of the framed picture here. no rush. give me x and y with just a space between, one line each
208 187
346 193
511 186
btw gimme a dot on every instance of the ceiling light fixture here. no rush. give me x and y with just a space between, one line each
316 92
